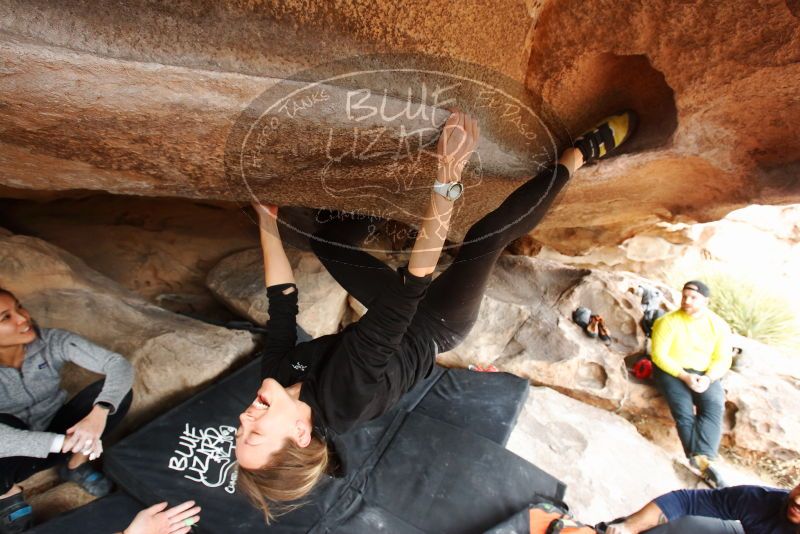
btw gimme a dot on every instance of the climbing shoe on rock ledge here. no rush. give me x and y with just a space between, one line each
604 139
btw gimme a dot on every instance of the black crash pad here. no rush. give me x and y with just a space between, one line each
434 463
109 514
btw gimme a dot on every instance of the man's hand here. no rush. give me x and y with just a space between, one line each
701 383
697 383
158 520
456 144
84 436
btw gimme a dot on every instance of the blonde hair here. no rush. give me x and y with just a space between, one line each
291 474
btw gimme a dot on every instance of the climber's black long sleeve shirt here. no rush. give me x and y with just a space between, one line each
359 373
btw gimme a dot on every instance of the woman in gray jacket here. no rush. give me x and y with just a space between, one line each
38 428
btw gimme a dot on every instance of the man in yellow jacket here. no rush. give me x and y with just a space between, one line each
691 352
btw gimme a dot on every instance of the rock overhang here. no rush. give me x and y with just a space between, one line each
141 99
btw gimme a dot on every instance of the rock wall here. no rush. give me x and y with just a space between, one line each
733 73
599 455
142 98
757 243
160 249
173 356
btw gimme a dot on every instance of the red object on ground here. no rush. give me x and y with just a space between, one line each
643 369
488 369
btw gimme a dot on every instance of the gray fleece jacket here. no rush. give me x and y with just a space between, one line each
33 393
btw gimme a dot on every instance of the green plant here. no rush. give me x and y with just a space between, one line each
753 310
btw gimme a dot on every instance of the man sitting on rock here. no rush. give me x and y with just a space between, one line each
755 509
691 353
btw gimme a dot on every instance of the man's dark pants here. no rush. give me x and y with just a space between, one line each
698 525
701 433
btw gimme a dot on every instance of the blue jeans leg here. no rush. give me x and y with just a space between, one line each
681 405
708 423
702 433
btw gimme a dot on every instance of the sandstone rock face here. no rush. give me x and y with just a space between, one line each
525 328
173 356
600 456
176 132
160 249
238 281
710 162
141 99
763 391
760 241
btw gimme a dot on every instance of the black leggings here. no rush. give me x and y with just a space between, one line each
15 469
451 304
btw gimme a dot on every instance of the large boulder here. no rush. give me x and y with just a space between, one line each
700 111
609 468
161 249
530 332
138 99
173 356
238 281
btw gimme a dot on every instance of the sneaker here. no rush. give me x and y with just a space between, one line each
15 514
698 463
713 478
706 471
604 139
92 481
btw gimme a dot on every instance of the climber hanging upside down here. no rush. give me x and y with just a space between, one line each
314 391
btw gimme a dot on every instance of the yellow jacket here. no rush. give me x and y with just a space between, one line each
681 341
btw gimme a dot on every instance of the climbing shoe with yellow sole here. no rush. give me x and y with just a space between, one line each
603 140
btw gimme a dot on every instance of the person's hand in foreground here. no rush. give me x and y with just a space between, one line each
158 520
619 528
643 520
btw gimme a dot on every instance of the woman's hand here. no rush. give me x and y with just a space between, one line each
456 144
84 436
158 520
265 210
